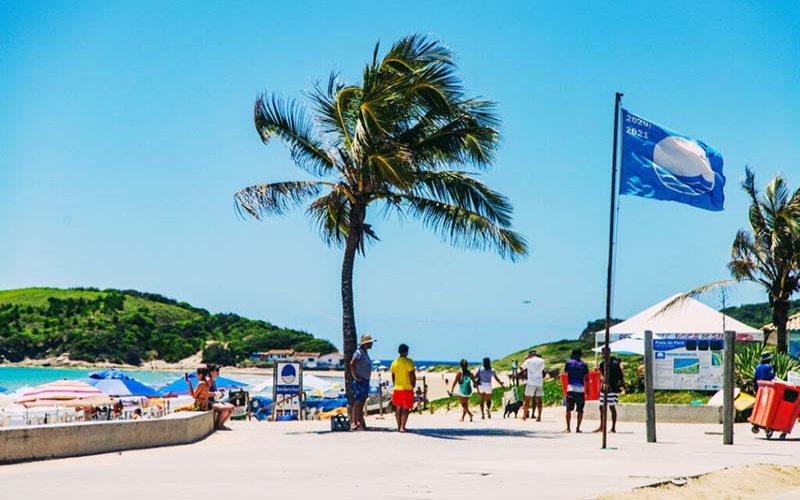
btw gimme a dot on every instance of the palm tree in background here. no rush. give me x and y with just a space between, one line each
769 253
388 143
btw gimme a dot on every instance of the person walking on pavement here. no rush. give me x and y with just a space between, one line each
360 369
577 386
404 378
464 380
533 369
615 383
485 375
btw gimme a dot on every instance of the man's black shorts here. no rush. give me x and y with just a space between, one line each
575 401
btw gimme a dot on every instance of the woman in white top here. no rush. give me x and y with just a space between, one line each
485 375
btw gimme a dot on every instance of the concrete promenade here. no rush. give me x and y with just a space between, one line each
442 458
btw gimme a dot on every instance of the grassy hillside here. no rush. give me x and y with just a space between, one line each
128 326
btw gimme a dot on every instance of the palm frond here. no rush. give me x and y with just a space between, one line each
288 121
276 198
693 294
331 215
462 190
466 229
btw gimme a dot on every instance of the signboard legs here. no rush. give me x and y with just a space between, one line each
649 391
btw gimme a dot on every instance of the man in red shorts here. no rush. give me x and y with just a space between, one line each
404 378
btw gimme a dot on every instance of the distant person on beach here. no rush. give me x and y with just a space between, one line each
577 385
404 378
464 380
514 373
764 370
137 414
485 375
222 410
360 369
616 382
533 370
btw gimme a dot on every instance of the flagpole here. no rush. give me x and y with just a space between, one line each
607 365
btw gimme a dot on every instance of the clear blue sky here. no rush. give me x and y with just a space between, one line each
126 128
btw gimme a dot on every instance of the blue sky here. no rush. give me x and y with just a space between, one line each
126 128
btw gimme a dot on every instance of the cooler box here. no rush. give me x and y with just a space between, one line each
776 406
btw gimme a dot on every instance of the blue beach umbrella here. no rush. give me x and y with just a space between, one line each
3 389
117 383
180 388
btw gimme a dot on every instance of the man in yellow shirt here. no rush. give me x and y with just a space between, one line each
404 378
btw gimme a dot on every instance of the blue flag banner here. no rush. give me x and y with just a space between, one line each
665 165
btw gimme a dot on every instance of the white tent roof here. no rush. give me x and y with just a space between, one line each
690 316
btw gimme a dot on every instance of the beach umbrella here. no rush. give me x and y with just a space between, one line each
117 383
3 389
179 386
64 393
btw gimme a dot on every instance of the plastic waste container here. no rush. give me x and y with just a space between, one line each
776 408
594 385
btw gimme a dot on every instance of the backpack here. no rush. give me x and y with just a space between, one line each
466 385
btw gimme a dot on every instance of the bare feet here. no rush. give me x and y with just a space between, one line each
577 431
539 419
565 431
490 414
598 429
613 430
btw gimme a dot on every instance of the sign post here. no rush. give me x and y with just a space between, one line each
288 386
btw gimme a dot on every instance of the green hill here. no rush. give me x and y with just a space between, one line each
128 326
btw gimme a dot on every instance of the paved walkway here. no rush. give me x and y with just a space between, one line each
442 458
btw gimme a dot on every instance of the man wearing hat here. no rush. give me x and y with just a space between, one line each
360 369
764 371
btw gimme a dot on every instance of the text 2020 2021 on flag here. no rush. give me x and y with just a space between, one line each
665 165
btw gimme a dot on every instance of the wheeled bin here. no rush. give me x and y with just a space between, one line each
776 408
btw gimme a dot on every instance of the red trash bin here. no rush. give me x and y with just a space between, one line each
776 407
594 385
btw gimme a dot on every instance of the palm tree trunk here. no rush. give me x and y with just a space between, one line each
354 236
780 316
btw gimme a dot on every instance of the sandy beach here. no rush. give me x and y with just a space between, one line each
440 459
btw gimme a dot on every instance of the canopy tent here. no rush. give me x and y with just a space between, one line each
64 393
687 317
312 384
179 387
117 383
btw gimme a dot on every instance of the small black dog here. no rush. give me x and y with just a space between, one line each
512 408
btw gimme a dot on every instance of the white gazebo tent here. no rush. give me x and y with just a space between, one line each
687 317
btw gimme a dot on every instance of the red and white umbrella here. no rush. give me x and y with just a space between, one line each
64 393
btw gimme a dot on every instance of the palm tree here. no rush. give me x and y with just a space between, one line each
389 142
769 253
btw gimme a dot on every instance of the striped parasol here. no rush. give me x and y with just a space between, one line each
64 393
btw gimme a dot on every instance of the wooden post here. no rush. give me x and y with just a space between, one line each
649 391
729 367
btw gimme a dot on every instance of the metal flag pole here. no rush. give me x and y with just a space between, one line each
607 365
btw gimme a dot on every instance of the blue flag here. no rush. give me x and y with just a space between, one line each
665 165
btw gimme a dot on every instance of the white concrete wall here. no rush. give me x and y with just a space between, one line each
22 444
635 412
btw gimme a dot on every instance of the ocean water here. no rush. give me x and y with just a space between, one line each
14 377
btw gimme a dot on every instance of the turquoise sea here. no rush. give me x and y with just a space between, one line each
13 377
